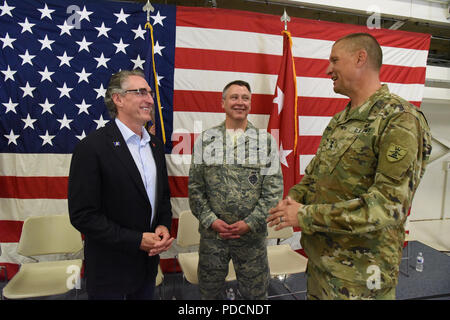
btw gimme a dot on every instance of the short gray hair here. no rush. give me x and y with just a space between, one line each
115 86
240 83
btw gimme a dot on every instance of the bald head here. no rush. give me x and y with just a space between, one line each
357 41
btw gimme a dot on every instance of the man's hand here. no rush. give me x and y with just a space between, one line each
148 241
239 228
220 226
157 242
233 231
284 214
224 230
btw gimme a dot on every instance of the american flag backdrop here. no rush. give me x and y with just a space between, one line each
57 57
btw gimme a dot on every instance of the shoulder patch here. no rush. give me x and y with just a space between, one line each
395 153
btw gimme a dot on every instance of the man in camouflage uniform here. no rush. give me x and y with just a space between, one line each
353 201
234 179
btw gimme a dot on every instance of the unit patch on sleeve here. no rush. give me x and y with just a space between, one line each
395 152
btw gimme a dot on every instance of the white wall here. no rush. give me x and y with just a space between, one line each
432 200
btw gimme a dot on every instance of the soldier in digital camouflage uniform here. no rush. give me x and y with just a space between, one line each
234 179
353 201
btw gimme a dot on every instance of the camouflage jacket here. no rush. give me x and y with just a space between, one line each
358 188
234 181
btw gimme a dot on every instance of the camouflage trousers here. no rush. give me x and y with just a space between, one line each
323 286
250 263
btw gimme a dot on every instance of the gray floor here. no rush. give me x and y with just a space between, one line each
431 284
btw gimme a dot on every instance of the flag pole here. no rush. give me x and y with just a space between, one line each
149 8
285 18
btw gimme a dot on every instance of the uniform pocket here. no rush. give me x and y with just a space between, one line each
334 150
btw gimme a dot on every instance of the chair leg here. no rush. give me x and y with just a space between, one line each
175 271
162 291
407 261
6 279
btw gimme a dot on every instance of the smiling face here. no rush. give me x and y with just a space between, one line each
237 103
133 109
342 68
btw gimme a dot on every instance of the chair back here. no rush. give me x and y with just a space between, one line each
188 234
284 233
53 234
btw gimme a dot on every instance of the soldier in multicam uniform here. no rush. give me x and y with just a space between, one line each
234 179
354 199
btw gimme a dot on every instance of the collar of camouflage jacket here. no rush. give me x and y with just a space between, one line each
249 126
362 112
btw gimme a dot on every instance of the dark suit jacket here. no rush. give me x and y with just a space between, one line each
108 204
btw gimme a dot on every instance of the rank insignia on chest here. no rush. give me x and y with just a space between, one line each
331 144
395 153
253 178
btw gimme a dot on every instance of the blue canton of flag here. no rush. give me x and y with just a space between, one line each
56 61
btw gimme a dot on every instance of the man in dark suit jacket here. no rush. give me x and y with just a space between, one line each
119 196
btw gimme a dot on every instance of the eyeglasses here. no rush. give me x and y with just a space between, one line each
142 92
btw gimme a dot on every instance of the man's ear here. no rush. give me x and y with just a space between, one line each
361 56
116 98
